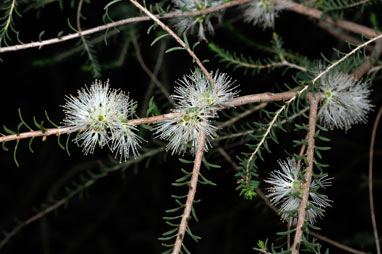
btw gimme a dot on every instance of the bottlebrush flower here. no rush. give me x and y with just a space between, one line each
199 23
196 90
100 114
286 191
124 141
262 13
183 131
344 100
197 101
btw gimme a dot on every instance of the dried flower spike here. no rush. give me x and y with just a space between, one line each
262 13
100 114
344 100
286 191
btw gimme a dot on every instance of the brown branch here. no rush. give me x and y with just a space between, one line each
177 38
313 100
317 14
97 29
264 97
191 194
152 119
302 151
371 152
39 133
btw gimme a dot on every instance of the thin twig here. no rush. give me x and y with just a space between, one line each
317 14
222 151
9 20
265 66
345 57
147 70
191 194
374 69
242 115
313 100
177 38
263 97
39 133
157 68
371 152
369 62
114 24
235 135
83 39
270 126
336 244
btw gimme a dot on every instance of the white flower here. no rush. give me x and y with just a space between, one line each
262 12
199 23
286 191
124 141
100 114
197 101
344 101
184 130
196 90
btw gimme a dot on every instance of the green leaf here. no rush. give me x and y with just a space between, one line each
111 3
9 131
158 38
14 153
173 49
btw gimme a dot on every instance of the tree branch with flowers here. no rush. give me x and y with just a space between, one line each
332 91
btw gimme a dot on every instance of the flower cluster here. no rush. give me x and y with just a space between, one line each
344 100
100 114
197 102
262 12
286 191
200 22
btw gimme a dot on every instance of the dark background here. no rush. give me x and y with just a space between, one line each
122 213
